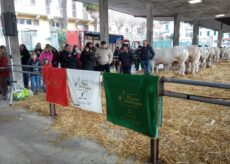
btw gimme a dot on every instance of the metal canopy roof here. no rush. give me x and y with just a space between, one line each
204 11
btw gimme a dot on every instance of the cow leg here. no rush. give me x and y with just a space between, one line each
182 69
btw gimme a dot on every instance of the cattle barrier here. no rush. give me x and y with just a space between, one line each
154 143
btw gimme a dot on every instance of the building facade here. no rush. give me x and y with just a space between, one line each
43 21
46 21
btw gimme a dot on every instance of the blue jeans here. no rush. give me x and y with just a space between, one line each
147 66
35 82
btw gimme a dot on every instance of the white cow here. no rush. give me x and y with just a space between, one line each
170 56
203 57
194 59
216 57
211 53
225 53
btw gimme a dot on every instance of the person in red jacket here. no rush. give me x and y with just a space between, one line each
4 72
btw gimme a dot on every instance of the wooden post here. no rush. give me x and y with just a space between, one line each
52 110
154 151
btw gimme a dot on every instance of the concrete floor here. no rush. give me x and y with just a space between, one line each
25 140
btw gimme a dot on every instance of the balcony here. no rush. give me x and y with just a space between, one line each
26 8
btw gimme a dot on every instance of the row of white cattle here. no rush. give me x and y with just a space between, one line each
189 59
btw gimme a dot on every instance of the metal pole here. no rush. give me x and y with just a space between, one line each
196 83
52 110
154 150
197 98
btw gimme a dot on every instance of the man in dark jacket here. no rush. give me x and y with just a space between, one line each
126 60
146 55
116 55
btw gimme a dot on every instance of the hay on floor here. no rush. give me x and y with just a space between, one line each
192 132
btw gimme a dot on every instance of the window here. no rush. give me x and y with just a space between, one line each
28 21
188 34
33 2
22 21
55 25
48 6
200 33
74 9
208 33
166 27
215 33
25 21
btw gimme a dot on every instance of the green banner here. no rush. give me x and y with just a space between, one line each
132 102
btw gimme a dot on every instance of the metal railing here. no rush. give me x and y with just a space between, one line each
211 100
162 92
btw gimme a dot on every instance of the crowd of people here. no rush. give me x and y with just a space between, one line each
92 58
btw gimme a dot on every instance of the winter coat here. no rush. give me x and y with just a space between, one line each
147 53
36 69
4 63
46 55
104 56
25 56
77 54
88 59
64 56
126 58
55 57
116 52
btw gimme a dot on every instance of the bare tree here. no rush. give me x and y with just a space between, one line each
119 22
93 10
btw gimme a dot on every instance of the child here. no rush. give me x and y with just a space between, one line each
35 72
46 63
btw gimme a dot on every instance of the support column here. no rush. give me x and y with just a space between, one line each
149 14
64 14
220 36
104 20
8 6
176 36
195 39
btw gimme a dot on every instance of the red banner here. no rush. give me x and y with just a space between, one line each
72 37
56 85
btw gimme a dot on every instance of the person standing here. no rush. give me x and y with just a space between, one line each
4 73
55 57
46 54
77 54
126 60
35 72
65 56
88 59
104 57
137 60
116 54
25 56
38 49
146 55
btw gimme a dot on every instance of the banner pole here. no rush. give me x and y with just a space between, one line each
52 110
154 151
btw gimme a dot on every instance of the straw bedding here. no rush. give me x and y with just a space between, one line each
192 132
